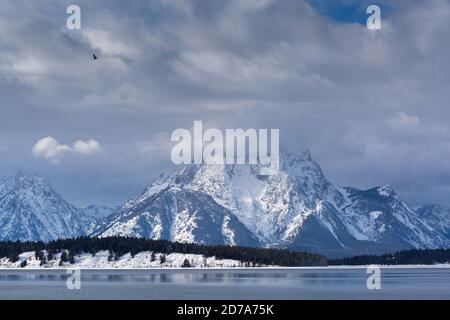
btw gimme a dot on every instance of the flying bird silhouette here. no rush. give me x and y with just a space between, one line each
95 57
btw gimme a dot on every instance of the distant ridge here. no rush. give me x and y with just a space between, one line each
30 209
413 257
297 208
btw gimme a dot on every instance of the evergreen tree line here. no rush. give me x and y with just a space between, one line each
415 256
118 246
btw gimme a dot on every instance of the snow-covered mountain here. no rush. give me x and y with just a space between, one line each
99 212
178 215
436 217
297 208
31 210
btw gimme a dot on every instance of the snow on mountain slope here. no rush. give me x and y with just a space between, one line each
437 217
296 208
178 215
379 216
272 208
99 212
31 210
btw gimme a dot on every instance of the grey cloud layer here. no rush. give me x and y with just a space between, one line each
371 106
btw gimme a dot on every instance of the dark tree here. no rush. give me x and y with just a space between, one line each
111 255
415 256
64 257
43 260
71 257
13 257
118 246
186 264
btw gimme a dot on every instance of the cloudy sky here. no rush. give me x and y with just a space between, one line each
371 106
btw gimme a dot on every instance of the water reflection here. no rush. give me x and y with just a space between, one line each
192 276
243 284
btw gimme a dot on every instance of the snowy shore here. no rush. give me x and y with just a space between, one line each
140 260
144 260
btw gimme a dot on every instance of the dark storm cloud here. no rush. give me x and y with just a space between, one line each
371 106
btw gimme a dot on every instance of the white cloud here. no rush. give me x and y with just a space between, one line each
86 147
401 119
108 43
158 146
51 149
331 86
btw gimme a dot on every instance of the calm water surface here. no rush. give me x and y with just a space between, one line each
327 283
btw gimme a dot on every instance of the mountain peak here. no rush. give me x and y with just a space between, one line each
386 191
296 208
304 155
22 180
31 210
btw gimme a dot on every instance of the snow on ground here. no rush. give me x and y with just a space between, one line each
173 260
140 260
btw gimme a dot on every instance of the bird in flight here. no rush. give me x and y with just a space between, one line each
95 57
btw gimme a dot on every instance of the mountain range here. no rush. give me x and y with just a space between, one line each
31 210
297 208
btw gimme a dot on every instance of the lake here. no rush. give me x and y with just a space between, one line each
236 284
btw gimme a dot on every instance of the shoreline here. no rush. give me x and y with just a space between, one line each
409 266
